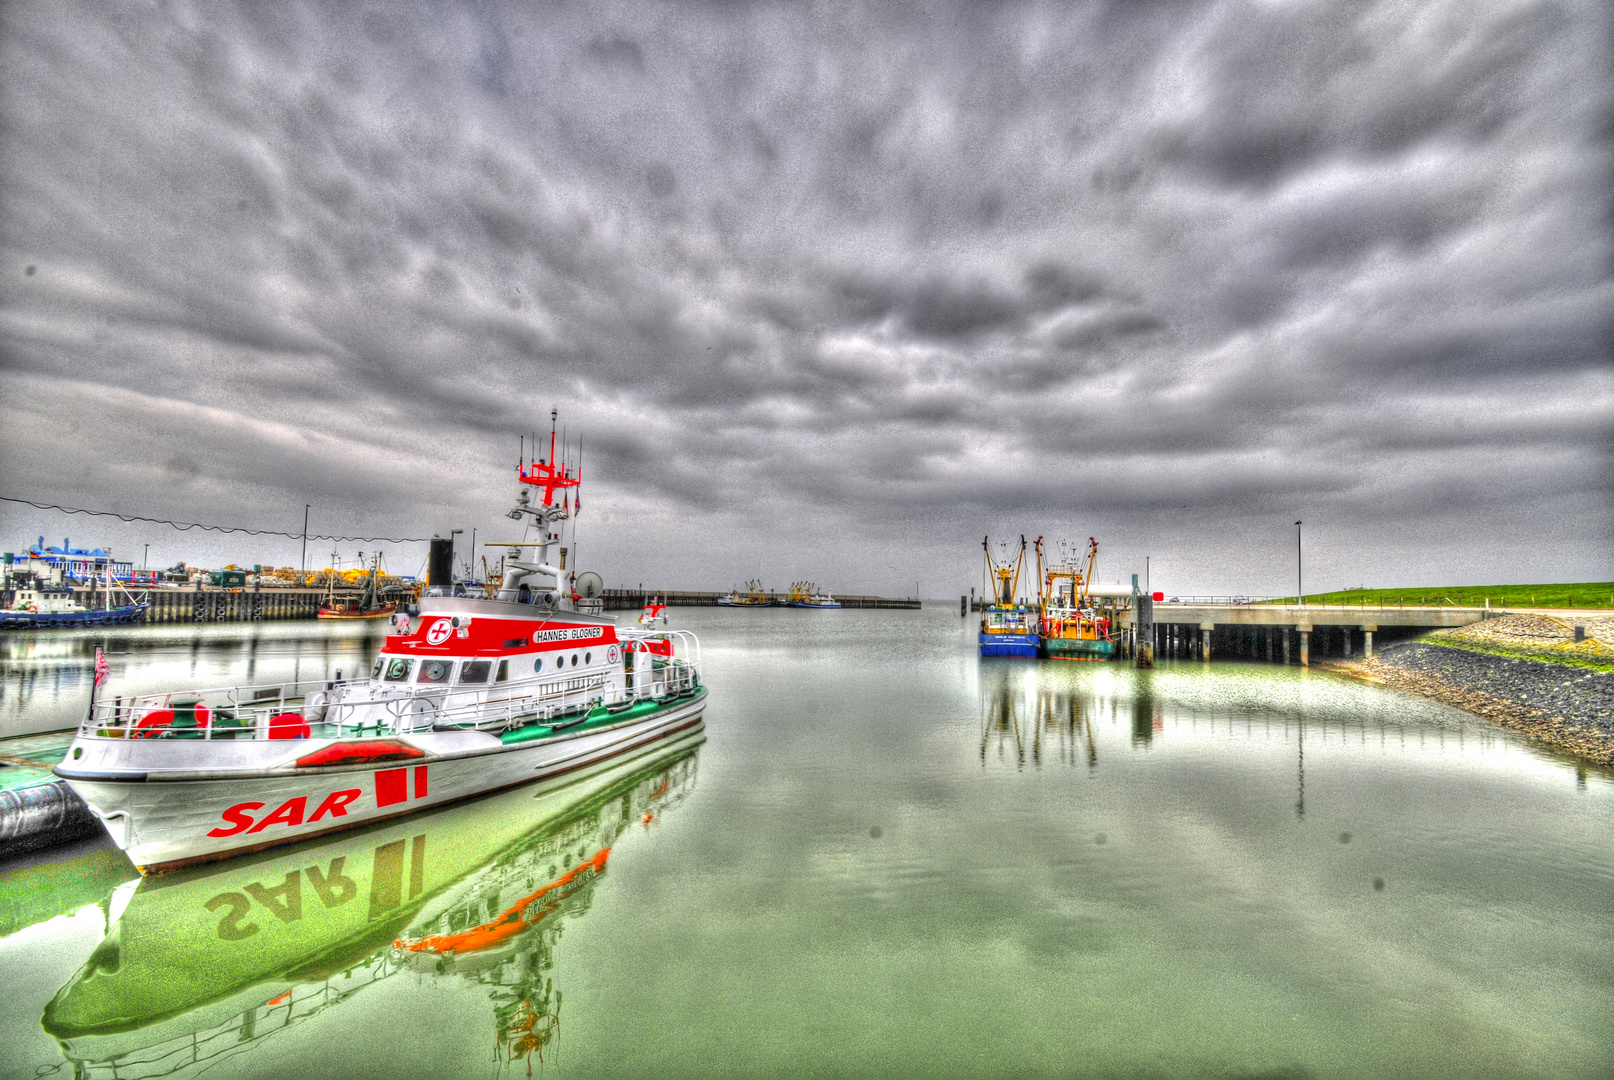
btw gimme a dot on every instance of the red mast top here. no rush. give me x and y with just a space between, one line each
550 477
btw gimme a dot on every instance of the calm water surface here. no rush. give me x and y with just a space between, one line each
887 857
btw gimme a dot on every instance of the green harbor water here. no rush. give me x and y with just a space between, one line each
885 858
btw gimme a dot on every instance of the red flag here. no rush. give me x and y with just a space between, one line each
100 666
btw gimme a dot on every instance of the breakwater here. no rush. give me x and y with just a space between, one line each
633 599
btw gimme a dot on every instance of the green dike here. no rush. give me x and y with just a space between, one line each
1584 594
597 717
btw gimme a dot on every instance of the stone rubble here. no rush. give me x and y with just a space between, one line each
1568 707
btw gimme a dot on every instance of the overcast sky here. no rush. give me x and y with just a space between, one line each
828 291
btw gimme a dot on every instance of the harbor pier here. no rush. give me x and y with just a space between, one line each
1265 631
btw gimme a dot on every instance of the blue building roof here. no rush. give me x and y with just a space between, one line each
43 551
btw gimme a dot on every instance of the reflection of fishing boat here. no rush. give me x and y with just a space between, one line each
474 696
199 966
754 596
1039 721
1008 626
1077 621
368 606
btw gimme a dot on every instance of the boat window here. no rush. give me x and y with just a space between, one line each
435 670
476 671
504 671
398 669
588 658
574 659
538 664
375 671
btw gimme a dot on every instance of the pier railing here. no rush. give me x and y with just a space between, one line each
360 708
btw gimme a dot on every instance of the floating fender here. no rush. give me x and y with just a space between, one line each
46 814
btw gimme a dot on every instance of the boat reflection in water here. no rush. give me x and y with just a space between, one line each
202 965
1045 714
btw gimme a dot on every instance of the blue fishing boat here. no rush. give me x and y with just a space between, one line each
42 606
1008 624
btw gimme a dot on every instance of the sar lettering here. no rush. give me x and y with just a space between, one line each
238 817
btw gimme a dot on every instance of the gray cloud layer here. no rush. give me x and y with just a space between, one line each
830 291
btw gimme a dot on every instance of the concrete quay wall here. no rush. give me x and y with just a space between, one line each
211 604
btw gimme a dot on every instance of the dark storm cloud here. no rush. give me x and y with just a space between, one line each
814 284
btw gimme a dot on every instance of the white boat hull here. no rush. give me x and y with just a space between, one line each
166 815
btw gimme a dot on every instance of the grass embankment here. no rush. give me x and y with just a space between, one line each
1535 637
1585 594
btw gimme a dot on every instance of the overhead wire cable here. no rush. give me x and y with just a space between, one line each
186 526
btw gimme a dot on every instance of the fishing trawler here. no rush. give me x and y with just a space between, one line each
470 696
805 594
753 596
368 606
1008 626
1080 616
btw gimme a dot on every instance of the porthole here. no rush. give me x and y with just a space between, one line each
574 659
538 664
78 752
588 658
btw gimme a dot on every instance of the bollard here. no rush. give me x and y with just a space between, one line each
1143 656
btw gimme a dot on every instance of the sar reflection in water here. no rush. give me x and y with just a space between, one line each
199 966
1045 714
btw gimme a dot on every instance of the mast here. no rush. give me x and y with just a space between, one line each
546 515
1042 581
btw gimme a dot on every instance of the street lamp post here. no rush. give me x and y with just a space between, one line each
1300 593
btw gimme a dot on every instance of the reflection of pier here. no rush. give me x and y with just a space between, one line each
1030 711
199 967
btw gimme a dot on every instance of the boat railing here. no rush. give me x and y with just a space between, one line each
325 709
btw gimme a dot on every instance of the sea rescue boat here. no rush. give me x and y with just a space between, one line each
470 696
